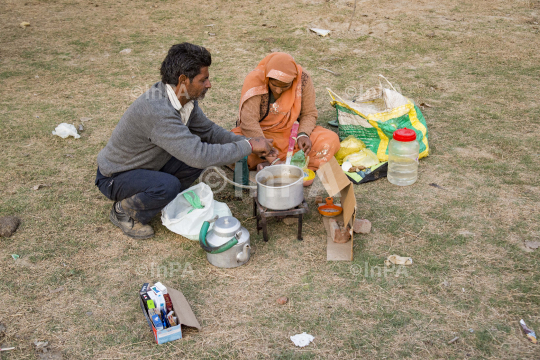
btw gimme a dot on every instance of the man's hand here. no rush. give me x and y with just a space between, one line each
304 144
263 147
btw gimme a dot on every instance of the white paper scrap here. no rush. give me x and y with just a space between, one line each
302 339
64 130
320 32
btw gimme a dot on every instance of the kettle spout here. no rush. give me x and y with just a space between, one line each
244 255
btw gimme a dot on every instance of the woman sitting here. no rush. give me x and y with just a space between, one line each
275 95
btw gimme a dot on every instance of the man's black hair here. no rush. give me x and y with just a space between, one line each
186 59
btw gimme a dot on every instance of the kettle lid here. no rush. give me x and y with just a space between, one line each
226 226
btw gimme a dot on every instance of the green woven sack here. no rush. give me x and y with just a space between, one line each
375 116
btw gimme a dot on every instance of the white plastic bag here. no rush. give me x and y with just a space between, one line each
182 218
64 130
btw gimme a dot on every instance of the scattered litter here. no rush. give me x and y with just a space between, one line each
437 186
39 186
6 349
61 288
282 300
15 256
83 119
425 105
210 25
330 71
453 340
471 330
89 313
8 225
320 32
398 260
81 127
210 34
302 339
41 345
532 244
44 352
462 289
362 226
24 24
64 130
125 51
528 332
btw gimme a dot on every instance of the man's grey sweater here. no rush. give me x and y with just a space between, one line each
151 131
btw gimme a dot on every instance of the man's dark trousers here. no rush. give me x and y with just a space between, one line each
146 192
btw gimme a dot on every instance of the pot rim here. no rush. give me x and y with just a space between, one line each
301 179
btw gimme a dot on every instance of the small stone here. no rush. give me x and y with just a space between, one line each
290 221
533 244
39 186
8 225
282 300
362 226
61 288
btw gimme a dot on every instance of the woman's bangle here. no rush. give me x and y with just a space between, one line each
275 161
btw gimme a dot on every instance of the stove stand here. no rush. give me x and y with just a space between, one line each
262 213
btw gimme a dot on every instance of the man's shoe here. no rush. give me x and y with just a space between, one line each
129 226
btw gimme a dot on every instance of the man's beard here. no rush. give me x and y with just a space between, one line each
200 97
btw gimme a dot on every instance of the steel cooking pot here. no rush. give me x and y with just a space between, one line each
280 187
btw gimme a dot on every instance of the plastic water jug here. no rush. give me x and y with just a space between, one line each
403 157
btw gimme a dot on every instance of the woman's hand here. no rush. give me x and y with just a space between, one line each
304 143
269 160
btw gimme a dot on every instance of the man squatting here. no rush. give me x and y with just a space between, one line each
164 141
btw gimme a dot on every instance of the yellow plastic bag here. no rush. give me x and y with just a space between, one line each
348 146
364 157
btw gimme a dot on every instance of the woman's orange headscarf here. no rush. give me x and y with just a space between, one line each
285 111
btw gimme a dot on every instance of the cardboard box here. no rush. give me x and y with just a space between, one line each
336 182
182 311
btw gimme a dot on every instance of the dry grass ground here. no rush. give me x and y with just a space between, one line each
75 282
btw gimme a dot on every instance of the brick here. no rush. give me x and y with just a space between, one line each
362 226
339 234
